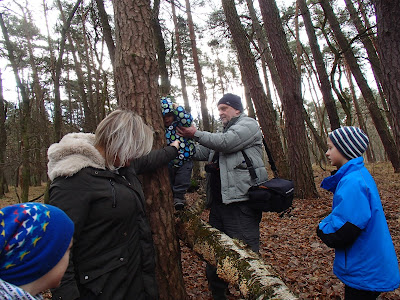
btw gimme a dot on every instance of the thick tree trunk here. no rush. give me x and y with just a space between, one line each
320 65
379 121
197 67
292 102
264 108
387 15
136 78
235 262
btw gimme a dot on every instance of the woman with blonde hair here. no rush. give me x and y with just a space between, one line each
95 181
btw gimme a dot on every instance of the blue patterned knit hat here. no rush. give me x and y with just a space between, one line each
166 106
350 141
34 237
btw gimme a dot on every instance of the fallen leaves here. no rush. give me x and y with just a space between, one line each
290 244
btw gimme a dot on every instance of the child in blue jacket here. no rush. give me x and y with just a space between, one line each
180 168
365 259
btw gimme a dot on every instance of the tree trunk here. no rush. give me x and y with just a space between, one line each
39 135
85 54
292 102
320 65
24 116
107 34
136 78
235 262
360 115
57 95
265 111
197 67
265 51
180 58
3 138
165 85
379 121
387 15
80 78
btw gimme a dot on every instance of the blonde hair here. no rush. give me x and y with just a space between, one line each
123 135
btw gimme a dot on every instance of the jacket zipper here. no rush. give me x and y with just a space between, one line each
114 204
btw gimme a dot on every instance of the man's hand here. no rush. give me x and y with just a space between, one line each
187 132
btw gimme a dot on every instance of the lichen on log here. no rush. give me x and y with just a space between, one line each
236 263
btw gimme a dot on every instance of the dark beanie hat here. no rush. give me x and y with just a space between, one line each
231 100
350 141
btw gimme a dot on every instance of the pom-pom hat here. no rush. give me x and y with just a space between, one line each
350 141
33 239
232 100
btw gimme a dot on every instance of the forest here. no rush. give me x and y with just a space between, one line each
302 67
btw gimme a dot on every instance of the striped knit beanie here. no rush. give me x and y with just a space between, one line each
350 141
33 239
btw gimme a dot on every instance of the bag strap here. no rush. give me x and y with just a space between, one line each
270 159
250 166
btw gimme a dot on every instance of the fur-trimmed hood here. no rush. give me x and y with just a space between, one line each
74 152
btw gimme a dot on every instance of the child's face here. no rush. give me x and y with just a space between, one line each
168 119
55 275
334 156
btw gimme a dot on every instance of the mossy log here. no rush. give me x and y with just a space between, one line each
236 263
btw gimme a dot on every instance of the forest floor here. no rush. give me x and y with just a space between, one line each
289 243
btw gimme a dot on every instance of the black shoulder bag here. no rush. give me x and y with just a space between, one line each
274 195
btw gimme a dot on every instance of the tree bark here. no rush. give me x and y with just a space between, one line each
264 108
326 89
377 117
292 102
387 15
137 81
235 262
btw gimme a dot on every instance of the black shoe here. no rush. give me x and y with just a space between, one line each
179 206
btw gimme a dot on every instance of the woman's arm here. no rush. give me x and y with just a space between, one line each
155 159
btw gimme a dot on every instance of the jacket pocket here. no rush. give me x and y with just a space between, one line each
94 273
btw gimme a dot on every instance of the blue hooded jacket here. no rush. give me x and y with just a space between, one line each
368 260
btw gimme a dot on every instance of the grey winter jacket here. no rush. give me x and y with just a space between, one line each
241 133
113 254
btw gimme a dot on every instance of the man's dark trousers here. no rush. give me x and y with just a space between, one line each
238 221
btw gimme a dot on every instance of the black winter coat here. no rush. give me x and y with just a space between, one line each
113 254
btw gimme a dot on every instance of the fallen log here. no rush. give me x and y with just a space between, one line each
236 263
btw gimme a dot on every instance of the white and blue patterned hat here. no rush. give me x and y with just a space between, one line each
350 141
166 106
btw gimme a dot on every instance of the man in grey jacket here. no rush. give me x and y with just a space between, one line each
228 178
